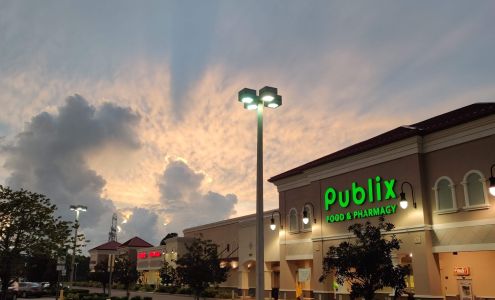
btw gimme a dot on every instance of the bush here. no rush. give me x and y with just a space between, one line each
136 298
209 293
147 298
185 291
167 289
225 293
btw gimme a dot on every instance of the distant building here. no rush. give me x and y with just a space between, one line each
151 259
102 252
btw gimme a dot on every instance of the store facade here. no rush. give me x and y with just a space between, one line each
442 166
447 232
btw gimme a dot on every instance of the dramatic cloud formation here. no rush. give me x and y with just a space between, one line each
347 71
48 157
184 204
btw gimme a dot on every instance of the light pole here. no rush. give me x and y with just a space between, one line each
267 97
77 209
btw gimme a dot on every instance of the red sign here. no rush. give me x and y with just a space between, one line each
461 271
155 254
141 255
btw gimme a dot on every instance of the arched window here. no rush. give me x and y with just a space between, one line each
475 189
445 195
307 227
293 222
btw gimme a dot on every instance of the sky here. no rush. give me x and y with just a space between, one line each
131 107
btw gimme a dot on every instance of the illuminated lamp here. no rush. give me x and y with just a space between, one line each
273 226
491 189
403 201
141 255
275 103
247 96
268 94
251 106
305 213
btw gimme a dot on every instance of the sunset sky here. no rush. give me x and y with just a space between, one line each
131 107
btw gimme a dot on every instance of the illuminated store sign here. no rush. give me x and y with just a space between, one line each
141 255
155 253
375 191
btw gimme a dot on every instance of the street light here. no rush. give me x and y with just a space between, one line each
267 97
77 209
403 201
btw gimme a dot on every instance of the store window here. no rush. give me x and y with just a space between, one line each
309 212
475 189
445 195
293 222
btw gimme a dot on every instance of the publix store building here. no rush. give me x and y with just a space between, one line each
446 221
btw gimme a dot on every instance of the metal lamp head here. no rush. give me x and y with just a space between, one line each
251 106
492 186
403 202
305 217
268 94
272 224
78 208
274 103
247 96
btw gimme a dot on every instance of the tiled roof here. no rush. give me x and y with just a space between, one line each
137 243
450 119
112 245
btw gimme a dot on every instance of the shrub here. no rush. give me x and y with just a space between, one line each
136 298
209 293
147 298
167 289
185 291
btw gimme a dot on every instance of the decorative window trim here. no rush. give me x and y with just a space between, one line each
296 230
311 217
482 179
452 191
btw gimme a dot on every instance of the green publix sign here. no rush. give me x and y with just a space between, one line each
376 191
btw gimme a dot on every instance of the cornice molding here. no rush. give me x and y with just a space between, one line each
460 134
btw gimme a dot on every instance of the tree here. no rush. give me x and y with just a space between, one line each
28 228
200 266
366 263
101 274
168 274
125 272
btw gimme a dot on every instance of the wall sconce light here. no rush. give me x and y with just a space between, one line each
403 201
273 226
491 189
305 213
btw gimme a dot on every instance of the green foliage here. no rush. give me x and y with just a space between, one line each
147 298
101 274
23 213
168 274
136 298
200 266
366 263
184 291
167 289
125 272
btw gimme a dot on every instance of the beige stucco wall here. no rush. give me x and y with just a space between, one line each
482 267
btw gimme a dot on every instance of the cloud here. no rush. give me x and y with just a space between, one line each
49 157
141 222
183 204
